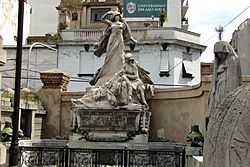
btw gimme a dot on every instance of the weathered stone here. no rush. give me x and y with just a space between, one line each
120 81
110 125
161 133
195 161
227 142
54 83
193 151
226 74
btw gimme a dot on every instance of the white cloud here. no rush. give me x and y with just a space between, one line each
204 16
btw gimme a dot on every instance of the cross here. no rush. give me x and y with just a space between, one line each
220 30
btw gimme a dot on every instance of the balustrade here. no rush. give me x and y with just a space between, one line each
139 34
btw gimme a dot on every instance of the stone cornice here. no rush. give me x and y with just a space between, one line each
54 79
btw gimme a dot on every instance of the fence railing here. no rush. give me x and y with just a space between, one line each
81 157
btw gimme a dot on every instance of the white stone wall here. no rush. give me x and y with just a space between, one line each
44 16
153 59
73 60
150 57
174 13
69 61
41 59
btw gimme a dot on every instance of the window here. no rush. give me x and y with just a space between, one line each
164 64
97 13
75 16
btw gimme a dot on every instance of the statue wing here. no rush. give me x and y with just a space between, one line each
144 75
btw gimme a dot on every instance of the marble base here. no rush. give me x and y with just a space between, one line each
3 152
110 125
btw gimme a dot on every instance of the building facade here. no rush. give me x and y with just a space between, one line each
43 17
8 21
241 44
171 55
137 13
40 59
174 51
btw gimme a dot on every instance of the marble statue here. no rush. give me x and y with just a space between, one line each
113 44
114 108
120 82
130 75
227 140
226 75
124 90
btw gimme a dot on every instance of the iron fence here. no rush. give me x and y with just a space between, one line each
80 157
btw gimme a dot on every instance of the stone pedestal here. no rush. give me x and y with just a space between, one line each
194 156
54 83
3 152
106 125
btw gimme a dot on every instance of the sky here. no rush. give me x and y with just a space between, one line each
204 16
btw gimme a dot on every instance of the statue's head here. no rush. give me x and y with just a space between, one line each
222 46
115 16
222 49
129 57
221 55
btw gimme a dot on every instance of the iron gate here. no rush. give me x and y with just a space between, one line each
80 157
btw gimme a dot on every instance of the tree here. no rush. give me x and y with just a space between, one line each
163 16
71 5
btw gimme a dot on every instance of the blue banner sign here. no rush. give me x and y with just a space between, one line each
143 8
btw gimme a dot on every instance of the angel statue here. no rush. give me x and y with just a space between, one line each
112 42
120 82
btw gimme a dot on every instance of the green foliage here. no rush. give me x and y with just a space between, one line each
56 37
62 26
8 93
61 138
71 4
163 15
29 96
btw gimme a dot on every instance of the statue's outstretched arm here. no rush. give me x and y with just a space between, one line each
104 17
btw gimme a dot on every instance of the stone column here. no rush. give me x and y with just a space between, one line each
2 63
174 13
54 83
